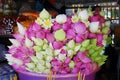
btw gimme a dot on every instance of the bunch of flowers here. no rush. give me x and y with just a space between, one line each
62 45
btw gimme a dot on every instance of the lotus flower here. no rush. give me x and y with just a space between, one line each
63 45
15 42
94 26
50 37
44 15
79 27
28 43
61 18
70 34
83 15
57 45
60 35
40 34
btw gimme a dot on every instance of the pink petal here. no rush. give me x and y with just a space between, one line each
78 39
66 26
79 27
35 27
19 37
63 51
57 45
70 34
75 70
92 35
50 37
56 26
40 34
99 38
67 60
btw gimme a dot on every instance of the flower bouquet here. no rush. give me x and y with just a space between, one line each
63 47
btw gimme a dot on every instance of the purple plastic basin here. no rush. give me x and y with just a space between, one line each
37 76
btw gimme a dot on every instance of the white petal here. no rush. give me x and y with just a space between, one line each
83 15
21 29
28 42
94 26
15 42
61 18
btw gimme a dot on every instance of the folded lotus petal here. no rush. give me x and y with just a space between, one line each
57 45
78 39
56 26
40 34
61 18
66 26
94 18
99 38
19 37
28 43
75 70
94 26
79 27
50 37
78 64
15 42
21 29
92 35
67 60
70 34
35 27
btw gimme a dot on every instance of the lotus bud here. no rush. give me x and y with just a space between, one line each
94 26
61 18
60 35
44 15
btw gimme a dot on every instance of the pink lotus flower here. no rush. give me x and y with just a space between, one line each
35 27
57 45
79 27
94 18
99 38
75 70
83 57
67 60
86 68
92 35
78 39
70 34
40 34
56 26
66 26
63 51
50 37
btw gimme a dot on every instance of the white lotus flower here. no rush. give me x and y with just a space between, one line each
94 26
48 65
10 58
30 65
49 58
15 42
21 29
70 53
61 18
39 56
18 61
44 15
71 64
28 43
61 57
83 15
71 44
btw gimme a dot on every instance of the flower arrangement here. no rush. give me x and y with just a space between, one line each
62 45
